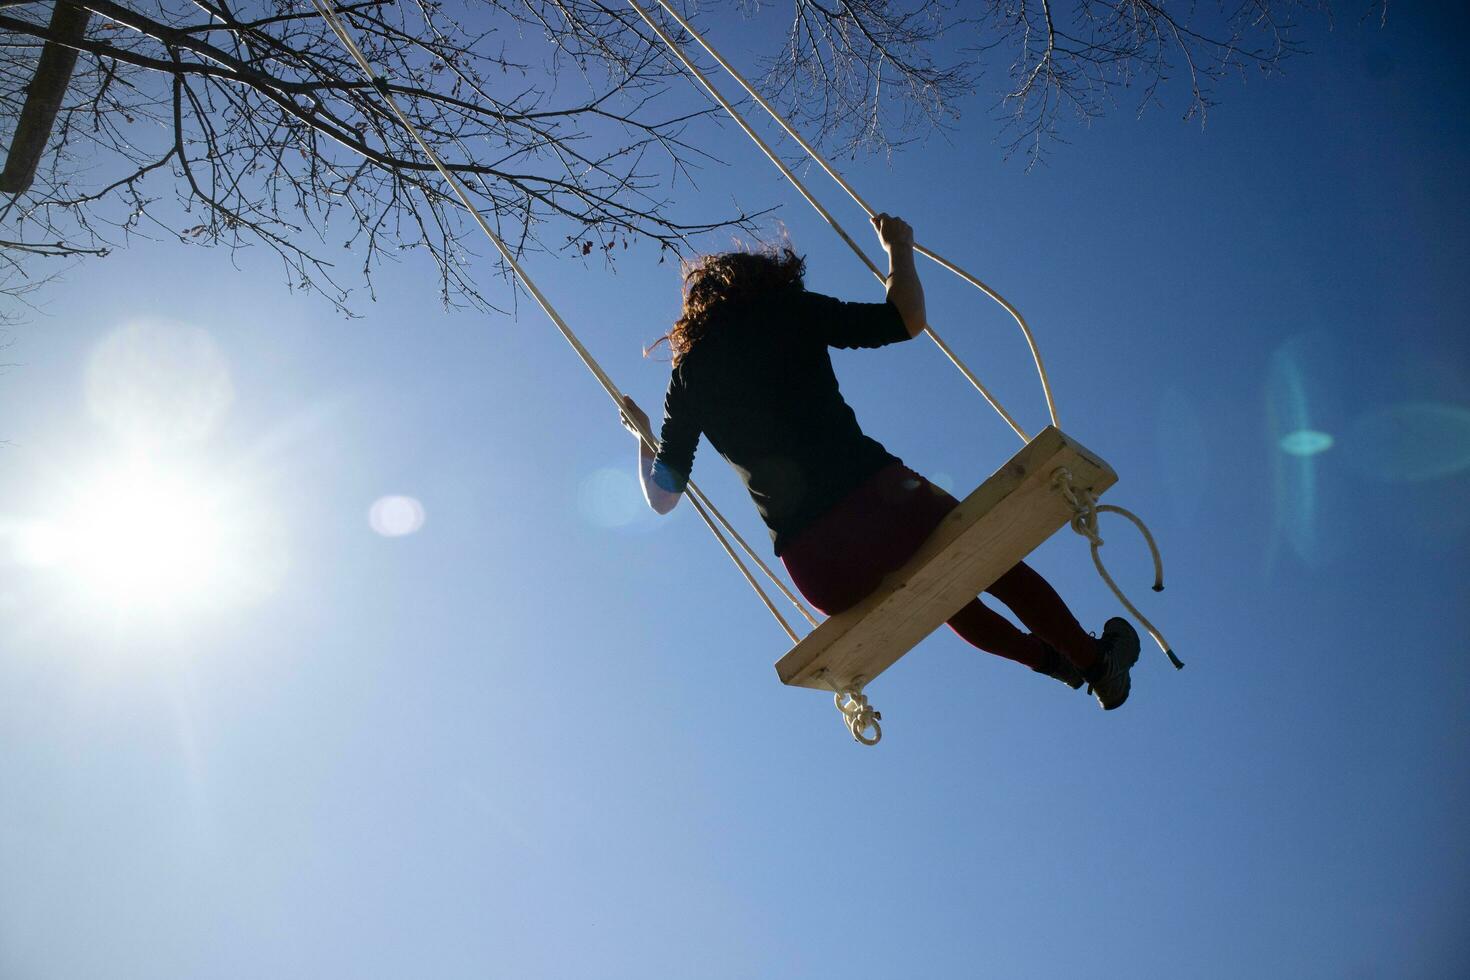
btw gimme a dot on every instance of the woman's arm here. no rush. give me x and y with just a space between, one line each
905 291
635 420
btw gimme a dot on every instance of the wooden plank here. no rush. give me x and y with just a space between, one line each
1003 521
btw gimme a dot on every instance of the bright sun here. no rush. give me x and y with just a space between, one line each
146 537
139 537
160 529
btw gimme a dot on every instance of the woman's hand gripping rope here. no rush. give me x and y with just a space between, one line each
634 419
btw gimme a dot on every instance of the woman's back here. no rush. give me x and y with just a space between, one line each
759 384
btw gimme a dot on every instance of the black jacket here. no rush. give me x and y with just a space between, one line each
760 386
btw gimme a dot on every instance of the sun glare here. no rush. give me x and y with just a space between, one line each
145 537
155 528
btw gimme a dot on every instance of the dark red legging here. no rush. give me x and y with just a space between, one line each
841 558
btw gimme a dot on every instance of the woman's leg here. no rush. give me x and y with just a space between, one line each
982 627
1037 605
839 560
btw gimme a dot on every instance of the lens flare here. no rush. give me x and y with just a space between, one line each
156 383
611 498
1302 407
396 516
1410 442
1305 442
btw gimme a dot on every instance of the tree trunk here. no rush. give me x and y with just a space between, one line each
43 99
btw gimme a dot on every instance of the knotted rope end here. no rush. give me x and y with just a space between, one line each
858 715
1085 510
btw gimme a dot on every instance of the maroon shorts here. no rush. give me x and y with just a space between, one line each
845 553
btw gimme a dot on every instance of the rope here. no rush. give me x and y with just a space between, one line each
697 494
699 507
857 198
1085 511
697 497
801 188
859 715
706 510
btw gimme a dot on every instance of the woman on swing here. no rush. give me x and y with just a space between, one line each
751 372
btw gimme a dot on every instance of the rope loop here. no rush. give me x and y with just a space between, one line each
1085 511
858 715
1084 506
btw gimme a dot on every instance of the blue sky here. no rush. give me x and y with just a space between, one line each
541 736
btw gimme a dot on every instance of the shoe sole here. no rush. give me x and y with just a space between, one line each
1129 636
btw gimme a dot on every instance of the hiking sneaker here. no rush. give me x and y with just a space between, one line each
1060 667
1108 680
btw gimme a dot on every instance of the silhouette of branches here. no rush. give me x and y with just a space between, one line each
246 125
1074 59
243 124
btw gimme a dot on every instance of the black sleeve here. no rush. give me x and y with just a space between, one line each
842 324
677 439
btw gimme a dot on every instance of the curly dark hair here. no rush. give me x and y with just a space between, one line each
713 283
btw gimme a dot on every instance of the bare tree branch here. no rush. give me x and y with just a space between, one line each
242 124
255 129
1073 59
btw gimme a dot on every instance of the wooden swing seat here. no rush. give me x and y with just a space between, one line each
995 527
